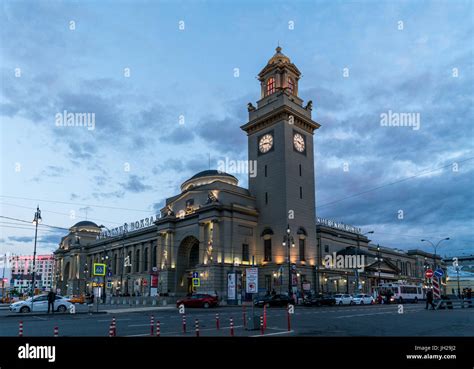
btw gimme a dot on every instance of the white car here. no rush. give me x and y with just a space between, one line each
40 304
363 299
343 299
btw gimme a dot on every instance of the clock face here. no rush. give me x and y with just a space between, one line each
298 141
266 143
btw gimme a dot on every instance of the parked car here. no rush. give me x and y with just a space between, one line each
274 300
199 300
343 299
40 304
363 299
319 300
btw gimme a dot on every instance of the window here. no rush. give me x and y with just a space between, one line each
270 86
154 254
266 198
137 261
291 85
245 252
302 244
301 192
265 170
267 248
326 248
145 267
300 170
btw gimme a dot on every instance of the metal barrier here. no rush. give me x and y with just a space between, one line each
451 304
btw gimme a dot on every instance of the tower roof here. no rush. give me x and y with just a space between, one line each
278 60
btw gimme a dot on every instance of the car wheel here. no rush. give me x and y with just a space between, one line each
362 302
340 302
206 305
62 308
416 300
400 300
25 309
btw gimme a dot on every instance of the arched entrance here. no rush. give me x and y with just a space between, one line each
188 258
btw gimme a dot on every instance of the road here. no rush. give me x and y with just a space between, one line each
375 320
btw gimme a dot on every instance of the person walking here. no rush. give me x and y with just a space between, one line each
51 298
429 299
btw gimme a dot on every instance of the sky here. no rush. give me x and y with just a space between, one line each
169 84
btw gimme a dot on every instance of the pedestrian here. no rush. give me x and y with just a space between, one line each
51 298
429 299
469 296
273 292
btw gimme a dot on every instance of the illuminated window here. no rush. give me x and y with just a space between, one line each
291 85
270 86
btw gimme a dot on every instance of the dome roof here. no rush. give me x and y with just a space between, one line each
279 57
208 176
85 223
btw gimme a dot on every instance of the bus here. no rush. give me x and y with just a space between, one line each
401 292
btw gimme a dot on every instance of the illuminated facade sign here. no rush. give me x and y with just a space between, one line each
337 225
128 227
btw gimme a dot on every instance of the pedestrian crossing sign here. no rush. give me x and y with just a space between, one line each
99 269
196 282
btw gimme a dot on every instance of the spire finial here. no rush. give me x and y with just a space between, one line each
278 49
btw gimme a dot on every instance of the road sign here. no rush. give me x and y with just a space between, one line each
196 282
109 284
439 272
429 273
109 273
99 269
251 280
195 275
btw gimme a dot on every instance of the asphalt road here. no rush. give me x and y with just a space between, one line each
375 320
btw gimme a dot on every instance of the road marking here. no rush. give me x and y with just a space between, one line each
118 320
180 332
141 325
272 334
40 318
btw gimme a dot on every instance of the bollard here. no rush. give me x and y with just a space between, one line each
152 324
184 323
56 332
289 321
261 324
217 322
197 328
265 316
20 329
114 324
232 327
111 331
245 320
158 331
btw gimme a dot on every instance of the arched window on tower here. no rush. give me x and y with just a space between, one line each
291 85
270 86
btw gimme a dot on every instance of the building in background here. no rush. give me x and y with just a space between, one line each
22 272
460 274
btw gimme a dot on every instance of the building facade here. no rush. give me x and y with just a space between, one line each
213 229
22 272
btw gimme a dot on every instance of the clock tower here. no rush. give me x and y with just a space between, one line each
280 140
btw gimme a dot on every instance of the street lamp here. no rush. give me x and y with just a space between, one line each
435 247
357 253
37 219
379 260
290 242
86 271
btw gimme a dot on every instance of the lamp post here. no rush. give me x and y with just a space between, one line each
86 271
435 248
379 260
289 241
459 286
37 219
357 253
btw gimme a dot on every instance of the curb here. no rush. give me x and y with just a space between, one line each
56 314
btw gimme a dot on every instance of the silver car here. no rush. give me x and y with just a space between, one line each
40 304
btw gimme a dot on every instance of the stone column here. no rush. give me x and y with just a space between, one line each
202 243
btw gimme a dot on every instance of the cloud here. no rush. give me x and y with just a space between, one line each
135 184
22 239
